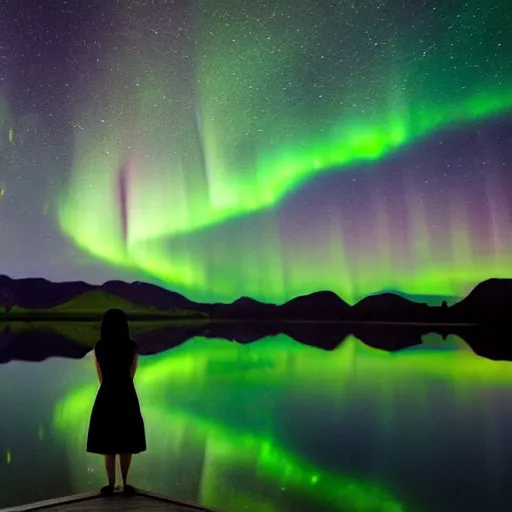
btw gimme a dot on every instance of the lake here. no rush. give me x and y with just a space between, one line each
276 425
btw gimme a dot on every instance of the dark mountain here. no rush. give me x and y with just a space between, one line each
244 307
431 300
38 293
148 295
43 298
388 307
488 302
316 306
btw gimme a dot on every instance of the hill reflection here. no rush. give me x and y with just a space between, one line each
36 341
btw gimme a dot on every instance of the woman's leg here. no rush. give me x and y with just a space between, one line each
126 459
110 466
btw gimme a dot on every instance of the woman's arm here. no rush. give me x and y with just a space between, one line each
98 369
133 368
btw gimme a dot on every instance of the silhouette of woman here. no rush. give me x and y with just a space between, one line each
116 426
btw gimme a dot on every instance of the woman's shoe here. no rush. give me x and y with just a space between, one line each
107 490
129 490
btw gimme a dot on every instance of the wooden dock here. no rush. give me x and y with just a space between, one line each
93 501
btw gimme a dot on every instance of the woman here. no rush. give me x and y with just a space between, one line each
116 426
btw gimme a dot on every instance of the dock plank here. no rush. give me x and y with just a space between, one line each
120 504
88 502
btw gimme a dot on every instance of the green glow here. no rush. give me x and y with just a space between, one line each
186 174
183 417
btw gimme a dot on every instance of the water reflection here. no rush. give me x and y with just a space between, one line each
277 424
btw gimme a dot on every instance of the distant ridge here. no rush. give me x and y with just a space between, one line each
43 299
488 302
148 294
38 293
244 308
431 300
390 307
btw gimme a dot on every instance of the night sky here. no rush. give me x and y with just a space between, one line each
263 148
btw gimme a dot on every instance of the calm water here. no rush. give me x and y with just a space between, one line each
277 426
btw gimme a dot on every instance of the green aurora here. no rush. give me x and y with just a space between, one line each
229 136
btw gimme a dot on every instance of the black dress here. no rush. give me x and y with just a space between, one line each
116 424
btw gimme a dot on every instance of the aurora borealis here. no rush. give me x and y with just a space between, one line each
258 148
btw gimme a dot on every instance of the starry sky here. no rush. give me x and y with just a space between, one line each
224 148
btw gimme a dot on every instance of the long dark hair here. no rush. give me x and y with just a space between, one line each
114 326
